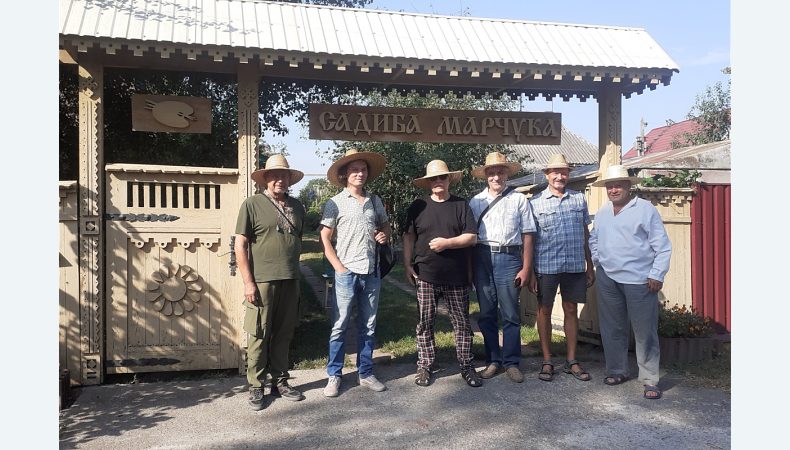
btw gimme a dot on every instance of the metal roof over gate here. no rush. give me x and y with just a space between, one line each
352 39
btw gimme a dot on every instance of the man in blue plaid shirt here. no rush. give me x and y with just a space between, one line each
562 259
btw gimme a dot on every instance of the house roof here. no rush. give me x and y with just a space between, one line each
660 139
340 39
575 148
712 160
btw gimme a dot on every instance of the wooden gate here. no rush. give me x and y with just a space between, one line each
171 302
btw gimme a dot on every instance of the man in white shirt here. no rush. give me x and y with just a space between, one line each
631 251
502 263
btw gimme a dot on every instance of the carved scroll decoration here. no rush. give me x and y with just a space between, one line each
91 160
249 127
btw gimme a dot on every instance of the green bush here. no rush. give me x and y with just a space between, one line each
311 219
679 321
682 179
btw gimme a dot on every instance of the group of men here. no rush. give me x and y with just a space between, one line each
499 242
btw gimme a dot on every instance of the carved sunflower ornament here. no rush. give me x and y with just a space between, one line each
174 289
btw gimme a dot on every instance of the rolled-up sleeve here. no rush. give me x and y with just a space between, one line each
329 217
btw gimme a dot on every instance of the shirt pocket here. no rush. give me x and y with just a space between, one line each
547 220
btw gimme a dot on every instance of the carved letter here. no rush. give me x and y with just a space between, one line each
534 129
379 122
488 122
550 129
397 123
325 117
470 127
414 125
449 125
342 123
363 121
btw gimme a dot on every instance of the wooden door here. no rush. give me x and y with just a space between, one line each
171 302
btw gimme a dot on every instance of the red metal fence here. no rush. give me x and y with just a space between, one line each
710 256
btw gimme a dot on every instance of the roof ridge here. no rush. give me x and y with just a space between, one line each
443 16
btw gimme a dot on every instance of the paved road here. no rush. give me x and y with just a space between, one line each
566 413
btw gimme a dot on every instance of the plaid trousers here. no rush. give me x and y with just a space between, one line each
457 298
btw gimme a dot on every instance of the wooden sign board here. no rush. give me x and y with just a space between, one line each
171 114
363 123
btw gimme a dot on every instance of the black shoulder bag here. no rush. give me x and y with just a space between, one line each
385 255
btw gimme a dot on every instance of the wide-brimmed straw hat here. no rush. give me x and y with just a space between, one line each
376 164
276 162
434 169
495 159
557 161
615 173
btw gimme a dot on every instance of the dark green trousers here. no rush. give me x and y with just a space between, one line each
270 328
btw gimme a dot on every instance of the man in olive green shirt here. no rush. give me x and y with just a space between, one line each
268 244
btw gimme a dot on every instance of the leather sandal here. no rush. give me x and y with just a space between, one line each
580 375
546 375
654 390
615 379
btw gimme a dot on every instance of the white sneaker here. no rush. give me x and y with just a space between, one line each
372 383
332 386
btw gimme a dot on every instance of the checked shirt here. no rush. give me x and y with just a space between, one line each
561 221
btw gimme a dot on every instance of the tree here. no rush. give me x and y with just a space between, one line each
712 112
407 160
218 149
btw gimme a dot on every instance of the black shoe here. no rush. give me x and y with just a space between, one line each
256 398
471 377
424 377
289 393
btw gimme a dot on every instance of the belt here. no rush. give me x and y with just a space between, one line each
502 248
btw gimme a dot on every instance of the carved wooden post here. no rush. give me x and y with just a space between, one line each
610 137
91 209
249 127
249 131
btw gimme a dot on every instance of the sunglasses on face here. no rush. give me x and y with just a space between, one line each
438 177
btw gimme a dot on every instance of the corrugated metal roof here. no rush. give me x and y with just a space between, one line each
575 148
660 139
361 32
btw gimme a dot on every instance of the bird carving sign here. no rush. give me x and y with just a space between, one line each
166 113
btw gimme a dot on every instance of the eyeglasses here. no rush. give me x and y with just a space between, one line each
438 177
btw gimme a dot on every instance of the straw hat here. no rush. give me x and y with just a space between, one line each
435 168
276 162
557 161
376 163
495 159
615 173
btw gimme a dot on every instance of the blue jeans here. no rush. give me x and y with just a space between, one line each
493 279
363 290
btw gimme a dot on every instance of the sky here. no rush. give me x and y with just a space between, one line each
695 34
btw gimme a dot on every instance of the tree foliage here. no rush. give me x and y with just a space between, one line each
681 179
407 160
712 112
278 98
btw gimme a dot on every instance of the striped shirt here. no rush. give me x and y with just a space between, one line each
506 221
561 221
354 226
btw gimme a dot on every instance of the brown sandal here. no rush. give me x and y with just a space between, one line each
580 375
546 375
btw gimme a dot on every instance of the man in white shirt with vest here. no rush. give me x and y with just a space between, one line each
631 251
502 263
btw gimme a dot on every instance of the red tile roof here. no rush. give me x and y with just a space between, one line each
660 139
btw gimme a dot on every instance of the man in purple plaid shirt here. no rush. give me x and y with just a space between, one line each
562 259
